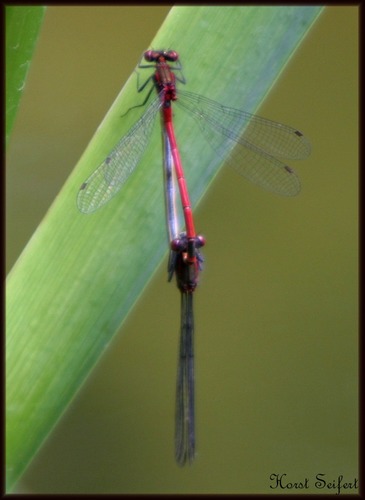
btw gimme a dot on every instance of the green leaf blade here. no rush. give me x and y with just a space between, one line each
22 30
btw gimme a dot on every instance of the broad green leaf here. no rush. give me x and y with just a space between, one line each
22 27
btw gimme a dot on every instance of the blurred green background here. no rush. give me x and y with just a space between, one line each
276 312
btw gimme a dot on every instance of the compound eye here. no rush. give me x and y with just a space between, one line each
151 55
171 55
200 241
178 245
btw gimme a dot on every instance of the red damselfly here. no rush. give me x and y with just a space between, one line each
254 146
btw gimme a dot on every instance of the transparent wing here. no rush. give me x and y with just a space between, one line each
254 152
110 176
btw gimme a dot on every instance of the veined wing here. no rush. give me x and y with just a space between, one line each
110 176
251 144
